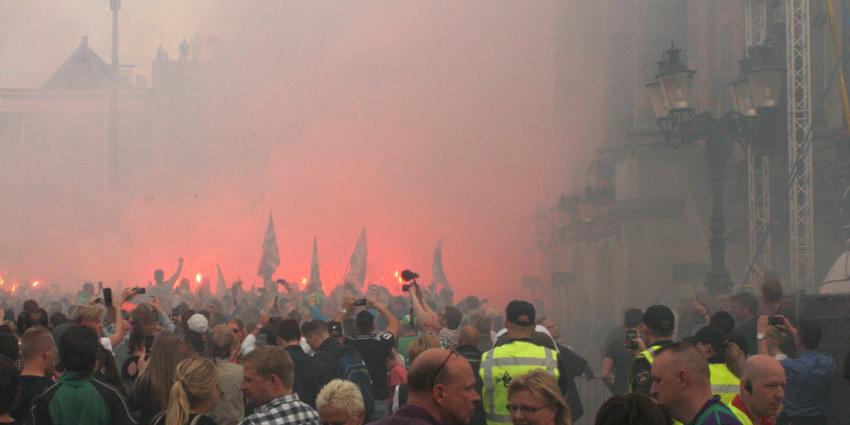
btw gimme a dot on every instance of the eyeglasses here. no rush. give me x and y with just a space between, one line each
442 366
525 410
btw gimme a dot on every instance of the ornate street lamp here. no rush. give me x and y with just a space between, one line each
756 97
682 125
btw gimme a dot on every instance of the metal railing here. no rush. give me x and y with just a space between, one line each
593 393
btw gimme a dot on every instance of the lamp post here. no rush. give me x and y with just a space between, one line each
670 95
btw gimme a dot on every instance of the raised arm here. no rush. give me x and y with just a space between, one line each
425 317
392 321
173 279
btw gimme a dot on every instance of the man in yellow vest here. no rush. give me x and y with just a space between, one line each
725 360
657 329
515 357
761 392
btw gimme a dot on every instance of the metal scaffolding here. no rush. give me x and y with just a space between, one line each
758 165
801 213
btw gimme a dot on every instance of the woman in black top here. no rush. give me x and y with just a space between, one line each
194 392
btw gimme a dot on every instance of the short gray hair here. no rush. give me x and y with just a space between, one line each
343 395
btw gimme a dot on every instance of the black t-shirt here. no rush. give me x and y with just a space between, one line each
310 376
622 357
30 386
375 350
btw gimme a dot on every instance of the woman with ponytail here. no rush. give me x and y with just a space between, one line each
194 392
725 360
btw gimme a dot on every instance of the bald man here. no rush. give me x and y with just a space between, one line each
762 390
680 381
441 390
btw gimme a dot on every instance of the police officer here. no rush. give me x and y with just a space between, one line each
725 361
515 357
657 330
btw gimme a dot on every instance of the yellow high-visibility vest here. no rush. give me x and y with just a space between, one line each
504 363
724 383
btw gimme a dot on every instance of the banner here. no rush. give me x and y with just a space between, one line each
271 256
315 278
356 273
437 267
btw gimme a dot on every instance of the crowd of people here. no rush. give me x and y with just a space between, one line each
175 354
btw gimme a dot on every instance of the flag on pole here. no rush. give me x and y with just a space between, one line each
357 266
437 267
271 256
315 279
220 283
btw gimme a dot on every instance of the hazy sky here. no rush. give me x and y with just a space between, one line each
417 120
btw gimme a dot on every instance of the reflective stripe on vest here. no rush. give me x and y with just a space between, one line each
501 364
723 382
649 353
745 420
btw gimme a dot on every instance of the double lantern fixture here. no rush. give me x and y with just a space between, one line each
756 97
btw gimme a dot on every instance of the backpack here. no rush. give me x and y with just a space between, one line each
352 368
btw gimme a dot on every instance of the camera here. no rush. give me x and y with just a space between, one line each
359 302
107 297
775 321
408 276
631 335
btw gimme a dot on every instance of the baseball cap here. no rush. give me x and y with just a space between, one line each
659 318
708 335
198 323
520 313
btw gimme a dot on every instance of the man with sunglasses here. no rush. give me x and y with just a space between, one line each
514 356
441 391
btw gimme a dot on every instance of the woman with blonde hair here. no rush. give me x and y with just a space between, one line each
194 392
535 399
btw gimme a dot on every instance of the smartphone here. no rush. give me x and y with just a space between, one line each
631 336
139 290
107 297
775 321
359 302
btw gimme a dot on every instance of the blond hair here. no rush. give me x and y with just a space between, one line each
195 380
88 312
344 395
543 386
35 339
422 343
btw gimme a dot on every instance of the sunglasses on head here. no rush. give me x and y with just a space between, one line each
442 366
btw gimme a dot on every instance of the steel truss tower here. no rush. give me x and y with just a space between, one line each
758 164
801 213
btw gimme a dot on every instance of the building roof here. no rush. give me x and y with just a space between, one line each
84 69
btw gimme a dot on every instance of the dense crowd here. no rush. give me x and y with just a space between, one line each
175 354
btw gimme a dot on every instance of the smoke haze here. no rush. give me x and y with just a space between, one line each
417 121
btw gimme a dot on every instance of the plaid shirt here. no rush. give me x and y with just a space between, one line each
284 410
